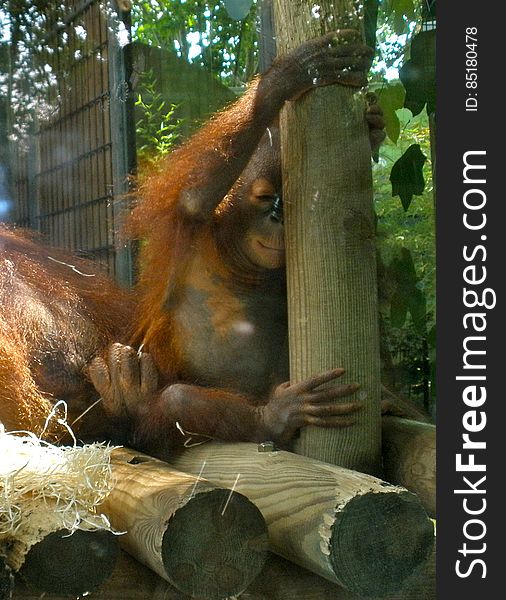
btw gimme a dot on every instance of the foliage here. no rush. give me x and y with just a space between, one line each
401 13
418 74
406 233
45 43
407 251
391 99
396 24
416 224
202 33
157 129
24 25
407 175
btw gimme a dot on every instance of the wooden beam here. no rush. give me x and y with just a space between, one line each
351 528
409 458
70 564
206 541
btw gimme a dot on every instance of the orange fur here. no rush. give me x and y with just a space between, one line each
56 313
167 234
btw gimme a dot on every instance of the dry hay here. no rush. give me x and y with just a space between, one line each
46 488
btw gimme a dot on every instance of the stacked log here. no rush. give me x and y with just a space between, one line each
49 529
209 540
70 564
283 580
353 529
409 458
206 541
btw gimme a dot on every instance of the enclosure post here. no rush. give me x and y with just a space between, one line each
331 270
123 142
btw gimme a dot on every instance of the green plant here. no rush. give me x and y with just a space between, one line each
203 33
403 78
158 129
405 227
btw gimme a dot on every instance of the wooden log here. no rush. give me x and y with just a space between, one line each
130 580
278 580
331 257
283 580
409 458
6 580
204 540
351 528
70 564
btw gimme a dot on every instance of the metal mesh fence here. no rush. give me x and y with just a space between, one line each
68 177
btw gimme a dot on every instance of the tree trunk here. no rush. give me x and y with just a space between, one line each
331 270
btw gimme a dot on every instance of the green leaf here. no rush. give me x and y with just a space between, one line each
402 269
398 309
399 23
407 295
238 9
418 74
418 309
390 99
407 175
403 11
404 7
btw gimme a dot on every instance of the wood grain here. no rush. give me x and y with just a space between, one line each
409 458
348 527
203 539
73 565
331 263
6 580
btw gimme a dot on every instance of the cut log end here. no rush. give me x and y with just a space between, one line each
71 565
215 545
378 540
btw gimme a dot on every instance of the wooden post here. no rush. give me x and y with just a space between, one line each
409 458
351 528
70 564
332 293
208 542
121 110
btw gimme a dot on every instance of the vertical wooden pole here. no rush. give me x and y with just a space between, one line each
331 270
